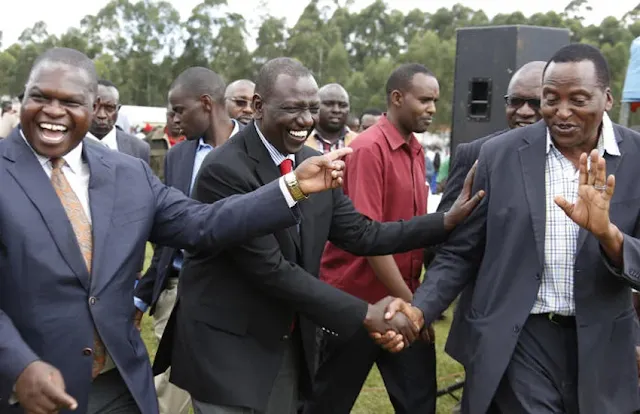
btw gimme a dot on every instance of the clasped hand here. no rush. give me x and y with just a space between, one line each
394 324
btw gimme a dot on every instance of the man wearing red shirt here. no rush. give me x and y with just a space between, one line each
385 180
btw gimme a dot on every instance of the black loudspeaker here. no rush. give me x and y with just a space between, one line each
486 58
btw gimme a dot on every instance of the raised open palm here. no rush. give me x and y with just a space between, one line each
595 189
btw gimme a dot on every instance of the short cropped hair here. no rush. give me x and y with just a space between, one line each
579 52
200 81
69 57
400 79
270 71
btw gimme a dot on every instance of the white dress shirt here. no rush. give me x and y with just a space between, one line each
108 140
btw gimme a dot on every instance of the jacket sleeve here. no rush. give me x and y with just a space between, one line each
184 223
457 260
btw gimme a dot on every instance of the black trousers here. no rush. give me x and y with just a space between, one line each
110 395
542 377
409 376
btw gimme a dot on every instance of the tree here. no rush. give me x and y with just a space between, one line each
142 45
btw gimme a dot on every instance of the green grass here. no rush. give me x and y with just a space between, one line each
373 399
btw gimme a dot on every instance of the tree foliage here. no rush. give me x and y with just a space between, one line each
143 45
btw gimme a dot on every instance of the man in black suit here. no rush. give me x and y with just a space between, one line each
197 102
242 336
103 127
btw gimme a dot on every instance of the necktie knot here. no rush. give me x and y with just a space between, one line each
57 163
286 166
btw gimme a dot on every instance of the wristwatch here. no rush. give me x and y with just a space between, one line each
294 188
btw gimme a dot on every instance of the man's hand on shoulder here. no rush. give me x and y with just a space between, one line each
322 172
465 203
40 389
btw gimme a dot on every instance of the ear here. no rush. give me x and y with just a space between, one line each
258 106
396 98
207 103
609 96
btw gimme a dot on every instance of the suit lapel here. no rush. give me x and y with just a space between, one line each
124 145
613 162
532 161
101 197
184 169
266 169
28 172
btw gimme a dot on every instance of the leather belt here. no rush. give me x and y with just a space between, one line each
561 320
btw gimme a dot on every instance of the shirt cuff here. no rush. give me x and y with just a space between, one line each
13 398
140 304
285 192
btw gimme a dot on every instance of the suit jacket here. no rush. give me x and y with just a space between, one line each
498 253
465 155
45 288
133 146
224 340
178 167
178 170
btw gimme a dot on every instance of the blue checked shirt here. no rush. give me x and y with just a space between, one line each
561 233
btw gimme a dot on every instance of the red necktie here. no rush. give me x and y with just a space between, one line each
286 166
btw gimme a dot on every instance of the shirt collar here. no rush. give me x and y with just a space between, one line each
109 140
394 138
235 130
276 155
606 143
203 145
343 134
72 158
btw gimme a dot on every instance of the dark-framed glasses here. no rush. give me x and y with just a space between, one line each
517 101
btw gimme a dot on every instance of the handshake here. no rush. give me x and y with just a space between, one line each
394 324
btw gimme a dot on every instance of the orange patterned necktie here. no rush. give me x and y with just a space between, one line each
82 230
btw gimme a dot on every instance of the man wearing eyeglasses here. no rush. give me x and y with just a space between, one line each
238 97
103 129
522 107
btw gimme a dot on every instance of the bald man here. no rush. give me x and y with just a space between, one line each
522 108
331 130
238 97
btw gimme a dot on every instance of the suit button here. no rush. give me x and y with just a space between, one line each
516 328
87 352
537 276
285 337
92 300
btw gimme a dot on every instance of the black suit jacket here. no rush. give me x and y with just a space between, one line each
235 308
465 155
133 146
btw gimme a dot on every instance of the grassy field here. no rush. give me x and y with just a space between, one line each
373 399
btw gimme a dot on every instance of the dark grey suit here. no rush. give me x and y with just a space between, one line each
499 253
462 161
133 146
